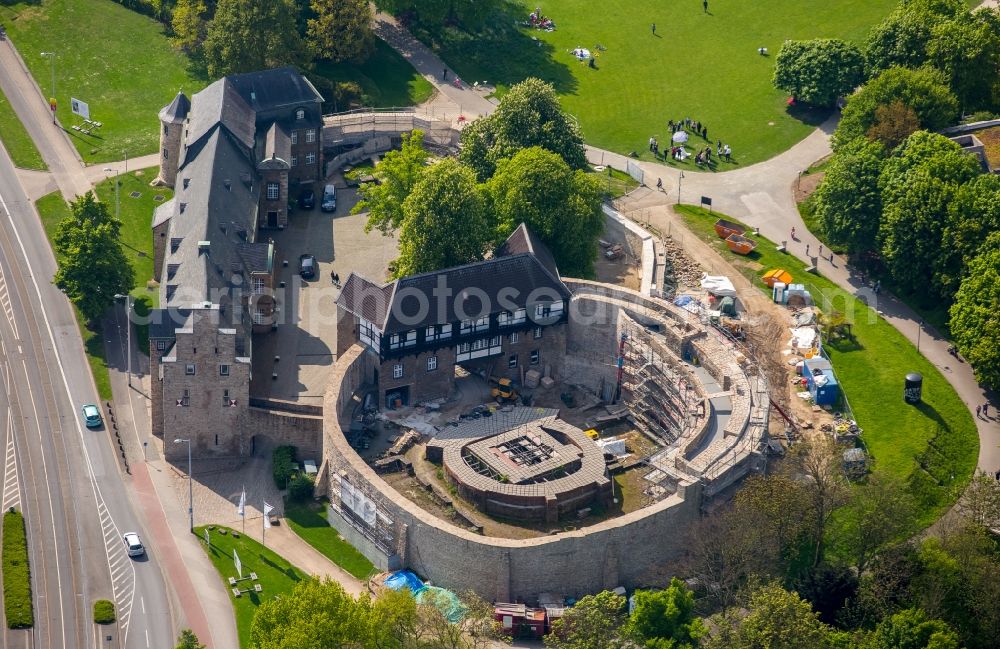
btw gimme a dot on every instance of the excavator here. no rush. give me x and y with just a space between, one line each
502 389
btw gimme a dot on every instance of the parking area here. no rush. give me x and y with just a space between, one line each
293 362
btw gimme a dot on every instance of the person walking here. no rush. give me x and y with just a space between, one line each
978 409
704 5
654 29
659 184
986 410
807 250
821 250
444 74
651 140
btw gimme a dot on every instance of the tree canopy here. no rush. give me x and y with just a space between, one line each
911 629
439 12
925 91
901 39
595 622
528 115
665 618
341 30
849 201
247 35
818 71
396 175
445 221
560 205
93 267
188 640
975 318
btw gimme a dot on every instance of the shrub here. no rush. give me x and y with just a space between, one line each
16 573
104 611
283 465
301 488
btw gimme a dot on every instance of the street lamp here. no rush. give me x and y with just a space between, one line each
51 56
190 487
679 179
128 327
108 170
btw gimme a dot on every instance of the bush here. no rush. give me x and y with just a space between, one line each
301 488
104 611
283 465
16 573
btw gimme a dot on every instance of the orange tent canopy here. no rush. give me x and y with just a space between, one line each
777 275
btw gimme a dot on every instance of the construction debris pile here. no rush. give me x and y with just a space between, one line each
678 268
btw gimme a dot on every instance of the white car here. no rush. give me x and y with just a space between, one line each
133 545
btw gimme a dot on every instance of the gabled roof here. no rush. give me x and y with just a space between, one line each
523 240
177 110
267 90
465 292
218 104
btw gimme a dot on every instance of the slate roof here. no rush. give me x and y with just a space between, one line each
177 110
219 104
164 322
522 241
268 90
520 280
257 257
164 211
277 145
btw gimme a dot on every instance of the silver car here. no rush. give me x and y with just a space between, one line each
133 545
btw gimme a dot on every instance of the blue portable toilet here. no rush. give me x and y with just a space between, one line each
821 381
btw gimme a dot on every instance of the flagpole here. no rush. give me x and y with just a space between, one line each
263 525
243 510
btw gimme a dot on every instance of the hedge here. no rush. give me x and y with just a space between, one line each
104 611
283 465
16 573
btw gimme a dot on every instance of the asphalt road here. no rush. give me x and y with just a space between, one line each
66 478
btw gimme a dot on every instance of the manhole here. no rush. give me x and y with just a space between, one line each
135 194
158 198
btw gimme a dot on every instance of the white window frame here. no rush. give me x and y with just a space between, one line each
310 158
295 161
273 191
514 338
432 363
224 369
430 333
225 398
185 398
258 285
535 357
190 369
445 331
300 114
411 338
538 333
512 362
161 345
310 136
397 371
295 137
370 334
394 341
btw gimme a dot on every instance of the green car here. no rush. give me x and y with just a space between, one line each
92 416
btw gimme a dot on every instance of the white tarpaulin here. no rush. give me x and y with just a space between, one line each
79 107
803 337
718 285
357 502
680 137
613 446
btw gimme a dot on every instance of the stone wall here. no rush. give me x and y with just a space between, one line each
273 428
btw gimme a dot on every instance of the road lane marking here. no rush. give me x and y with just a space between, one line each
69 396
5 300
11 484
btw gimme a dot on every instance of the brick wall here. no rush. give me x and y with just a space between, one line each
170 151
279 205
272 428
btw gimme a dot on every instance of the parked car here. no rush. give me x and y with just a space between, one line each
307 266
133 546
329 203
92 416
307 199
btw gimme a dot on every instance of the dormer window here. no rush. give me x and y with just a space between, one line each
187 181
172 270
175 243
300 114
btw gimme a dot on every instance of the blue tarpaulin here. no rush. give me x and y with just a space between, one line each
404 579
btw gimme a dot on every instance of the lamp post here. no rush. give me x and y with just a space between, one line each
679 179
190 487
51 56
128 329
117 203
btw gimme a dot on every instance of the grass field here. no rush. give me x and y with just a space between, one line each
309 522
386 79
16 139
697 65
275 575
116 60
933 446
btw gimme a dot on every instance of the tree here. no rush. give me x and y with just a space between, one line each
396 176
477 630
445 221
818 71
980 501
902 38
665 618
435 13
829 589
849 202
925 91
877 512
973 215
778 507
825 488
595 622
528 115
893 123
918 185
561 206
974 318
967 50
341 30
93 267
248 35
188 640
190 24
778 619
315 614
911 629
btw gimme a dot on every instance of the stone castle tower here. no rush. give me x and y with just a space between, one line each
172 120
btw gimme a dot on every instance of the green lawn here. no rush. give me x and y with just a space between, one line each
702 66
933 446
386 79
615 183
275 575
309 522
116 60
16 139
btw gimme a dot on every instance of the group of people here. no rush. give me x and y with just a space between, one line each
538 21
985 410
688 124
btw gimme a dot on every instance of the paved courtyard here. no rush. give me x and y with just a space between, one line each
305 339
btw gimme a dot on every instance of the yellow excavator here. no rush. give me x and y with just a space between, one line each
502 389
